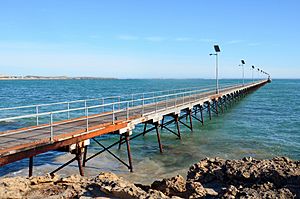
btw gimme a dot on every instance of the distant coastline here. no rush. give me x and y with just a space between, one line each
34 77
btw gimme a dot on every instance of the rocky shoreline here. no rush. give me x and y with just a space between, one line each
209 178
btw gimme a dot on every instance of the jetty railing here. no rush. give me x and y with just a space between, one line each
37 108
66 105
119 108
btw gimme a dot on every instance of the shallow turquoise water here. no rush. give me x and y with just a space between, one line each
264 124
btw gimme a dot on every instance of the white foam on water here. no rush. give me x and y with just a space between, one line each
7 121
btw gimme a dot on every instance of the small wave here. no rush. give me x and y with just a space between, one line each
7 121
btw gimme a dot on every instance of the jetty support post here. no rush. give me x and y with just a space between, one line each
157 127
201 115
177 125
216 106
145 127
226 102
221 104
175 120
30 167
232 99
127 134
125 139
79 152
120 142
190 118
208 109
84 155
158 136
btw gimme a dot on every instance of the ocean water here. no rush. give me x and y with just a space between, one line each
264 124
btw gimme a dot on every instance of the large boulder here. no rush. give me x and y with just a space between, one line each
248 177
174 186
14 187
112 185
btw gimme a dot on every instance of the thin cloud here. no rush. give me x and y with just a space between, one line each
183 39
155 39
234 42
206 40
254 44
127 37
27 45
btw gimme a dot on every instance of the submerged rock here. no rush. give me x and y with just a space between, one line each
209 178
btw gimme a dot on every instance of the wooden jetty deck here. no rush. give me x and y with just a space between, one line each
74 133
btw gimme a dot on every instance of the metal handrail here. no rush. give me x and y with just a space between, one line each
95 106
103 105
95 99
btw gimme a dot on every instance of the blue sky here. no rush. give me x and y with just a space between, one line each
148 38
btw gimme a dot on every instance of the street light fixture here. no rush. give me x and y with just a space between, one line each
217 50
243 63
252 73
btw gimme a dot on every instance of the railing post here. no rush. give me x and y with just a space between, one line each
131 100
87 119
166 103
37 115
119 100
155 104
102 104
113 113
68 110
51 127
127 111
143 102
153 97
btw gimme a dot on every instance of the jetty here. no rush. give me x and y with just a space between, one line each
71 126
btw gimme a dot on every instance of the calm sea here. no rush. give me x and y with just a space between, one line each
264 124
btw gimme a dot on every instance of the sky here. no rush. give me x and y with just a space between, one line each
149 38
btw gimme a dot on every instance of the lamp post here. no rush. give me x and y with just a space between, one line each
217 50
243 63
240 65
252 74
258 74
